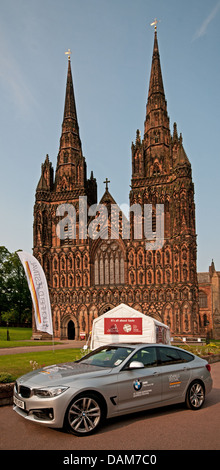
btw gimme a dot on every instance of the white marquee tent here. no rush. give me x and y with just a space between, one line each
124 324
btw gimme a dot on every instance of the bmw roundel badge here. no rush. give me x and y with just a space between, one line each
137 384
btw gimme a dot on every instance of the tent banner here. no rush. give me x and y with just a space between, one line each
123 326
37 284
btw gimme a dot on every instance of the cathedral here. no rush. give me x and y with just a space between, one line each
87 276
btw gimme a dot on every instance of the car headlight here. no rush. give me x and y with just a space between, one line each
49 392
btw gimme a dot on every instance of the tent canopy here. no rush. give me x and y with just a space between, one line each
124 324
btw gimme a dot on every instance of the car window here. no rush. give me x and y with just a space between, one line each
109 356
169 356
148 356
185 356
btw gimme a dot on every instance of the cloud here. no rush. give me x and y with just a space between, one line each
204 26
14 80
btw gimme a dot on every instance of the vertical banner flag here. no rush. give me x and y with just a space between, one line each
37 284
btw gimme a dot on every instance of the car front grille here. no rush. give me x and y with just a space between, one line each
24 392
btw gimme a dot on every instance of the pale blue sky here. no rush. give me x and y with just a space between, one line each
111 43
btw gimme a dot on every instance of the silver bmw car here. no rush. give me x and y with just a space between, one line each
110 381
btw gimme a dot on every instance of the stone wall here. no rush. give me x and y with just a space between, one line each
6 394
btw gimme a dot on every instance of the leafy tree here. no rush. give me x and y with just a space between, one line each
15 298
4 255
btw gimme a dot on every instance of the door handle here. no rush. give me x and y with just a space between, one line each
155 373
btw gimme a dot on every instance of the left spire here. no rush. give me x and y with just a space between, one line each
70 122
70 160
70 138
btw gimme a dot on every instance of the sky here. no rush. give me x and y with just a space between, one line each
111 43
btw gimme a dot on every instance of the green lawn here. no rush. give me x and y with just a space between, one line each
19 337
19 364
16 334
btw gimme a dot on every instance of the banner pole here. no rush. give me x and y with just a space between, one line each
53 342
38 287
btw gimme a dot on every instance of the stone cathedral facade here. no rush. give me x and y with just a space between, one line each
87 276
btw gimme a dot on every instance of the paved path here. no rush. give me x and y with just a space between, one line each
66 344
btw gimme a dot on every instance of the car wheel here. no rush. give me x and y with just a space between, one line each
195 396
84 414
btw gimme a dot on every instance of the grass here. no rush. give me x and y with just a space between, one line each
19 337
13 366
16 334
19 364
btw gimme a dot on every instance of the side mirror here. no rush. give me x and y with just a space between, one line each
136 365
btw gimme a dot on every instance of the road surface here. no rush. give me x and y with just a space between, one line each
170 428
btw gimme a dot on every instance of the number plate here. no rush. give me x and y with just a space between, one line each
19 403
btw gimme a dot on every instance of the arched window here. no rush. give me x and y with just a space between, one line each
55 264
65 158
70 280
109 265
168 315
203 300
156 169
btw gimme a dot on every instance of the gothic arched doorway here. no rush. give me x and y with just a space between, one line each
71 330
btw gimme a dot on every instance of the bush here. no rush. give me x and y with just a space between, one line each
6 378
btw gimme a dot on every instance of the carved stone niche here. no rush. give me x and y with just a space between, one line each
216 325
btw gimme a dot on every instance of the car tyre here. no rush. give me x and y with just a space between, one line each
84 415
195 396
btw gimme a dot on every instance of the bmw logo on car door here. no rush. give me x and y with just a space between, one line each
137 384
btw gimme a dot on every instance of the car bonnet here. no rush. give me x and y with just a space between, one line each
61 373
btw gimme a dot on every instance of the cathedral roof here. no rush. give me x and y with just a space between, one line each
107 198
182 158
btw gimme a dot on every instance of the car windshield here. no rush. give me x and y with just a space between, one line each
107 356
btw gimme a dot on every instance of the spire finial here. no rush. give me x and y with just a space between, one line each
155 23
68 53
106 183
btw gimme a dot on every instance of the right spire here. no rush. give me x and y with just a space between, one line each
157 130
156 81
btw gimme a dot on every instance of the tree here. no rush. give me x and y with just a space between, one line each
15 298
4 255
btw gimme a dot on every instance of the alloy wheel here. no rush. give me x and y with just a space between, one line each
84 415
196 395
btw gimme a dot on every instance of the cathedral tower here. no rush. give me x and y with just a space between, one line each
65 257
161 174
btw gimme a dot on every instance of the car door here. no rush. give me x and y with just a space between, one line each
139 387
175 373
